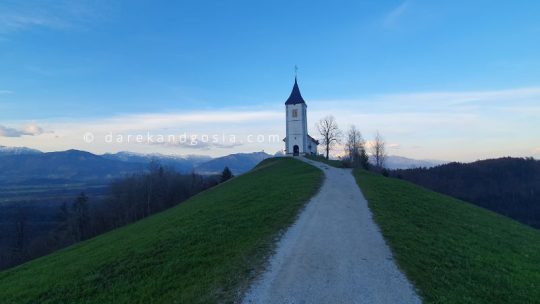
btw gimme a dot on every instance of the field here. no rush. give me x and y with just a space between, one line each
47 192
39 202
453 251
205 250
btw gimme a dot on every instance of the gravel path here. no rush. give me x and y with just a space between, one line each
334 253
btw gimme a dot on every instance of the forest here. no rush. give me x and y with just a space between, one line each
508 186
126 200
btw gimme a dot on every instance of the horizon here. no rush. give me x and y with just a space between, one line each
436 162
453 82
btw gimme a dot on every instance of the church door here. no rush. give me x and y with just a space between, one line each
296 150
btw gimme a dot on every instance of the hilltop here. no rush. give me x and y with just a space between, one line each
238 163
209 249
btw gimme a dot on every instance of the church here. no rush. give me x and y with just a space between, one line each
297 140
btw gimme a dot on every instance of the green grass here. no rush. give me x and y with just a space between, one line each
453 251
331 162
205 250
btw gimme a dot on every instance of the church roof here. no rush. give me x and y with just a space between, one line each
295 96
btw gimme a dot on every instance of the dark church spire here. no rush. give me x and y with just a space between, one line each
295 96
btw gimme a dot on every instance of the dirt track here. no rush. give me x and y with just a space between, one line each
334 253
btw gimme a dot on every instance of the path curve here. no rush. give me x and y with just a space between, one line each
334 253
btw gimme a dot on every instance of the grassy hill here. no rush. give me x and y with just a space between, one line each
453 251
202 251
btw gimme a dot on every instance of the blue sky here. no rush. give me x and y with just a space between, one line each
453 80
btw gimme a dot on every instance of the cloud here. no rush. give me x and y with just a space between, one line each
200 145
24 15
391 18
370 143
6 92
39 70
30 130
461 100
460 125
192 120
13 21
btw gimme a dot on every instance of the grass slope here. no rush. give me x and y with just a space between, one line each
453 251
202 251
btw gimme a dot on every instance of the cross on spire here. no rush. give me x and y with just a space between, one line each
295 96
295 71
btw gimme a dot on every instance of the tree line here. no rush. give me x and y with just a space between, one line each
128 200
508 186
356 149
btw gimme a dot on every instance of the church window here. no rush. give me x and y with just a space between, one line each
295 113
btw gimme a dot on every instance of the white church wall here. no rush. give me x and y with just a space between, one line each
296 128
312 147
296 125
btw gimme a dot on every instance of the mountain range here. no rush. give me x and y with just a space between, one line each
21 164
17 151
186 163
25 165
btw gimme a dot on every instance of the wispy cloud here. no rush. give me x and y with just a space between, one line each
39 70
199 145
23 15
6 92
13 20
31 130
191 119
446 125
392 18
527 97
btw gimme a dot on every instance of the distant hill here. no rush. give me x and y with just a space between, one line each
24 165
70 165
237 163
509 186
179 163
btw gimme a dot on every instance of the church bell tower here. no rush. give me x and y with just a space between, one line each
297 140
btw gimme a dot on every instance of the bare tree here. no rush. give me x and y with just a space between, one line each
356 148
330 133
378 150
354 143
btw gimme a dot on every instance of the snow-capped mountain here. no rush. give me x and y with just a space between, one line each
181 163
17 151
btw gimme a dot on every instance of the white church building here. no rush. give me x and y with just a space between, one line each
297 140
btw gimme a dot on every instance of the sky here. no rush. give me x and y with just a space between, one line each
447 80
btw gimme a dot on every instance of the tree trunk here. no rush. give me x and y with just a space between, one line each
327 150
